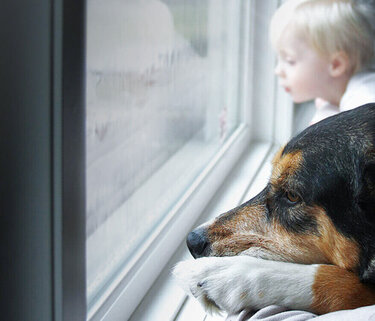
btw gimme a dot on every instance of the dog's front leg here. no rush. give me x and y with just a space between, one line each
241 282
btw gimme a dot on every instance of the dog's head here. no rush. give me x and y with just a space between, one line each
318 206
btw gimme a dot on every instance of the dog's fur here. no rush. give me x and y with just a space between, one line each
307 241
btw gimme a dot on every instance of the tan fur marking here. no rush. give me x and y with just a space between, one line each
335 289
340 250
285 165
277 156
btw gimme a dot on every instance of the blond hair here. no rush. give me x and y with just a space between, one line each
330 26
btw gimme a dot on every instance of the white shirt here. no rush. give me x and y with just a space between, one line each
359 91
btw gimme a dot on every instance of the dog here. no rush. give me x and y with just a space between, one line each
307 241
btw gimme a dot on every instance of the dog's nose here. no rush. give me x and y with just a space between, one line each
197 242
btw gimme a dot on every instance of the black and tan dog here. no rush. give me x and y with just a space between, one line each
307 241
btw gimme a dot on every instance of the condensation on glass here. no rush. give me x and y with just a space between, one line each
162 97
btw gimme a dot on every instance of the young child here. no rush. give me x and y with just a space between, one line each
326 52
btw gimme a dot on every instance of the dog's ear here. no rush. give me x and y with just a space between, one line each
367 191
369 177
367 203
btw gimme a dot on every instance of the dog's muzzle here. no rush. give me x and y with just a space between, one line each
198 243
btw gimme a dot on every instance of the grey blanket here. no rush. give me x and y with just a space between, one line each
276 313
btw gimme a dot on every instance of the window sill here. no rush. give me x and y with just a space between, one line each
165 300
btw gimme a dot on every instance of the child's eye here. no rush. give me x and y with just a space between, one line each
290 62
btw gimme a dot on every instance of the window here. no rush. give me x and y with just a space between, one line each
175 93
179 93
164 97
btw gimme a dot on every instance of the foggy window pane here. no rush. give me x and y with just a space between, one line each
162 98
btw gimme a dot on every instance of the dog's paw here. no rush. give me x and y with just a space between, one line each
191 275
236 283
219 283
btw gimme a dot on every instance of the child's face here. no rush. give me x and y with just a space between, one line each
302 72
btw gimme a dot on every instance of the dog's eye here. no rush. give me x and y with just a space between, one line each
293 198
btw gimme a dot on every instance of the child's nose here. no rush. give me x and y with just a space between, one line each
278 70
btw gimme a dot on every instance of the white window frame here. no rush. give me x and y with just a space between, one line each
257 134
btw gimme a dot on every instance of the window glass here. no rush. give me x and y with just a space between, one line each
162 97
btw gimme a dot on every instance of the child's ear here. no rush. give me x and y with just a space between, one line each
339 64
